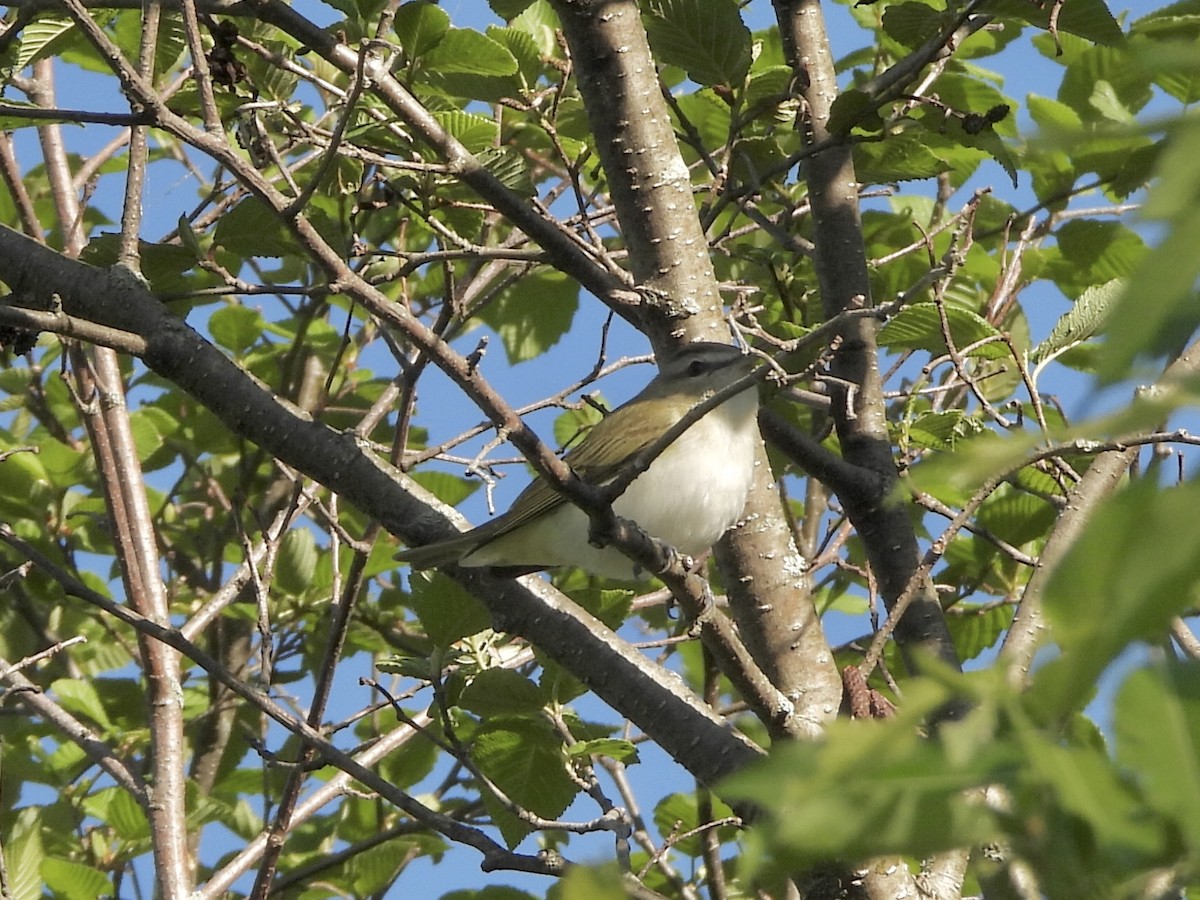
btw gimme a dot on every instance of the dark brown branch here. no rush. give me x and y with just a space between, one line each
858 408
495 856
620 675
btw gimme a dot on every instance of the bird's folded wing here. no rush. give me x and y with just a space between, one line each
594 461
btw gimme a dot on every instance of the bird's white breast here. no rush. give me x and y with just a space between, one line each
688 497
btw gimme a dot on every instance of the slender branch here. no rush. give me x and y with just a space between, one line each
99 752
657 702
58 322
495 856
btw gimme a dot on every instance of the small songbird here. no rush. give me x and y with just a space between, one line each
688 497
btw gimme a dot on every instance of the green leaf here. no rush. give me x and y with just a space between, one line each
854 109
872 787
540 22
450 489
1086 318
593 883
572 425
474 132
919 327
1158 314
707 38
977 630
1105 100
525 759
1085 783
146 435
1090 19
1157 724
1126 82
677 814
532 316
508 9
75 881
420 27
497 692
624 752
465 52
297 561
81 698
899 157
42 38
1097 603
253 229
447 612
1091 252
911 24
24 855
236 328
510 168
374 869
116 807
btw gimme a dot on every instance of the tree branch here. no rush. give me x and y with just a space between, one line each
657 702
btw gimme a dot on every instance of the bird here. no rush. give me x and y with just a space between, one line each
689 496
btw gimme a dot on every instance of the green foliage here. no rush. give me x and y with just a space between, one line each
704 37
1000 213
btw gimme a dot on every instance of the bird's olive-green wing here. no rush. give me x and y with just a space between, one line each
612 440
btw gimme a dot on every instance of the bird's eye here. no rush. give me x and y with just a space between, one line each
696 368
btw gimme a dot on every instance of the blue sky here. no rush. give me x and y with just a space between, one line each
173 191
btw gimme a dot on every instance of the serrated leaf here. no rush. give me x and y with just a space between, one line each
420 27
540 22
1105 101
935 430
1016 516
1089 19
372 870
677 814
533 316
900 157
146 435
1157 724
706 38
252 229
919 327
40 39
912 23
1086 318
81 698
974 631
465 52
24 854
474 132
127 817
498 692
572 425
510 168
74 881
236 328
450 489
854 109
525 759
524 49
447 612
1097 604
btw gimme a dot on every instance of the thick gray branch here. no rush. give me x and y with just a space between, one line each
653 699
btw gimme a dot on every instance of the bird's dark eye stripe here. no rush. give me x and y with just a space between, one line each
696 367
